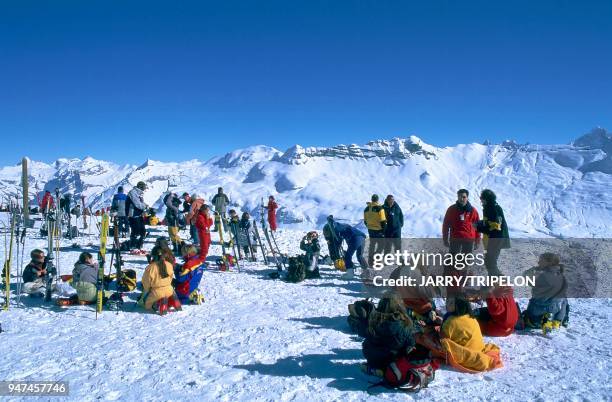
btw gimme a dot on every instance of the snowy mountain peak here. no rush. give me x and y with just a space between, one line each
395 148
250 155
597 138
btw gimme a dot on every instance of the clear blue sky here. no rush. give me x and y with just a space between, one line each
175 80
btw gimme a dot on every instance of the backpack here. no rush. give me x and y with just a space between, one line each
297 269
410 373
128 280
359 314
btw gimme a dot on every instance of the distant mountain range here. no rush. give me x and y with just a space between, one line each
558 190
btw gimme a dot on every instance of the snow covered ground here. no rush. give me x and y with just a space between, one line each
256 338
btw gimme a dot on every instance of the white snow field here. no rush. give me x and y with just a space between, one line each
256 338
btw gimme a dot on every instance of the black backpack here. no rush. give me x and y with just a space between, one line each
359 314
297 270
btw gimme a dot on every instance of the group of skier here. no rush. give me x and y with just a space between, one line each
400 333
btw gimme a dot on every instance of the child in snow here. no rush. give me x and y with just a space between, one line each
548 305
462 340
189 275
34 274
85 277
167 254
501 314
158 293
310 244
203 223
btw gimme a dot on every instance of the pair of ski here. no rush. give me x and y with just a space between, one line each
271 240
104 226
219 225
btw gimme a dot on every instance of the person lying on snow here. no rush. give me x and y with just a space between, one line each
462 341
85 277
158 294
548 307
500 315
188 276
310 244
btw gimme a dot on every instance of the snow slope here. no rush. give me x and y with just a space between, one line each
546 190
260 339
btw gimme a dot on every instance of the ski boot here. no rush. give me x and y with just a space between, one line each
162 306
173 302
196 297
349 274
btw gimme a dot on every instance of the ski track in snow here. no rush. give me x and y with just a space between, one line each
260 339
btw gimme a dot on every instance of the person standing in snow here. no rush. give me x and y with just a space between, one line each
118 206
494 228
375 220
196 204
220 201
186 209
47 203
172 203
458 232
395 222
203 223
272 207
246 236
136 207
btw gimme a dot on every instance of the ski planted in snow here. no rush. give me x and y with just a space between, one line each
101 259
7 265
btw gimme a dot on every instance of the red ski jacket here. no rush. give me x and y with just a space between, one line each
459 223
504 315
203 224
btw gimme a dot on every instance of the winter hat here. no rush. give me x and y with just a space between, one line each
142 185
120 189
374 197
37 255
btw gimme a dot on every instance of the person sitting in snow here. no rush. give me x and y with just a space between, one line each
310 244
462 341
548 307
157 291
390 334
85 277
500 315
188 276
34 274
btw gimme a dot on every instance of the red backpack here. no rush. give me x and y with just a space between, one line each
410 373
